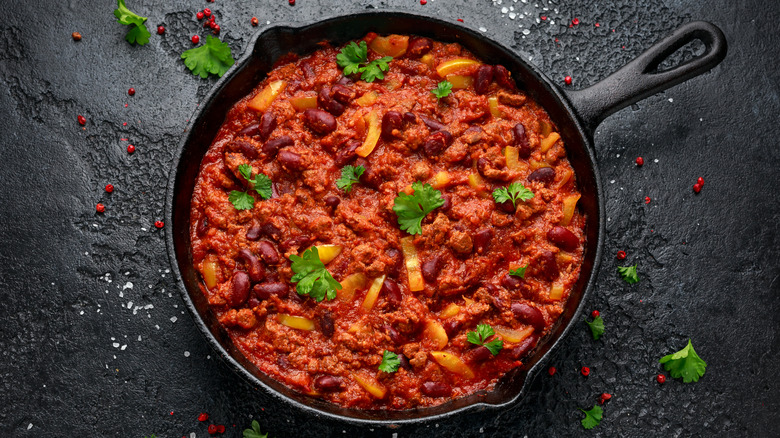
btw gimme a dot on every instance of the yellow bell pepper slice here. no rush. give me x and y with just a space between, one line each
350 285
263 100
373 294
296 322
328 252
569 205
514 336
373 387
454 65
434 335
372 137
301 103
416 282
452 363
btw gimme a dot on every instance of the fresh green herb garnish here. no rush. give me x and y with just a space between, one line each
512 193
685 363
312 277
214 57
254 432
354 59
596 327
390 362
592 417
260 183
443 89
519 272
481 335
628 273
138 33
349 175
411 209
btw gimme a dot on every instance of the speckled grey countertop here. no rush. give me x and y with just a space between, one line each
95 339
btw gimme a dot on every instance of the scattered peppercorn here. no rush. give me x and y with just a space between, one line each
159 224
220 428
621 255
203 417
160 30
647 199
213 24
212 429
423 2
130 149
76 36
199 15
567 80
291 2
595 314
207 12
255 21
131 92
82 120
216 28
100 208
700 181
585 371
195 39
640 161
661 378
575 21
551 371
604 397
109 188
697 187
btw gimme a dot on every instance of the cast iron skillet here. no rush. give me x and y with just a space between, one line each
576 114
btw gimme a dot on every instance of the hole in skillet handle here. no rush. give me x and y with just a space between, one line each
643 76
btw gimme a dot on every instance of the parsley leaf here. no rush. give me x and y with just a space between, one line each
254 432
138 33
512 193
390 362
596 327
241 200
214 57
312 277
443 89
411 209
349 175
481 335
685 363
519 272
592 417
260 183
628 273
354 59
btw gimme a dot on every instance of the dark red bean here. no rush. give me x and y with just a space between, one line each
268 252
341 93
563 238
264 291
529 315
347 153
271 231
328 383
391 121
344 81
435 143
483 79
447 203
271 147
404 362
294 296
327 326
252 302
244 147
295 242
547 266
521 141
267 124
430 269
252 263
436 389
253 233
479 354
203 227
482 240
290 160
394 335
503 77
319 121
544 175
418 47
452 326
391 292
410 118
507 207
433 125
394 270
251 130
511 282
332 201
326 101
524 347
239 289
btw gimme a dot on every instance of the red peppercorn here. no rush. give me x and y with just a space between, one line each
697 187
195 39
199 15
585 371
575 21
159 224
109 188
661 378
605 397
212 429
291 2
212 24
595 314
640 161
82 120
100 208
220 428
551 371
567 80
203 417
621 255
131 92
207 12
255 22
130 149
76 36
160 30
647 199
700 181
216 28
423 2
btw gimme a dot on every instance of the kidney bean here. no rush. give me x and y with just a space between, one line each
344 81
294 296
347 153
511 282
563 238
253 233
544 175
394 335
332 201
203 227
435 143
244 147
271 147
479 354
524 347
503 77
239 289
271 231
507 207
430 269
483 79
295 242
394 270
253 266
410 118
418 47
521 141
327 326
267 124
264 291
452 326
290 160
326 101
404 362
319 121
252 302
391 292
391 121
433 125
447 203
482 239
268 252
529 315
328 383
498 303
342 94
436 389
547 266
250 130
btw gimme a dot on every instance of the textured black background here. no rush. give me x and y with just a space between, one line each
94 336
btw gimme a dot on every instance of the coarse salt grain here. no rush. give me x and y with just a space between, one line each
173 319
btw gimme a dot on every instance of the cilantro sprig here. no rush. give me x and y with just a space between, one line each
214 57
411 209
443 89
628 273
354 59
254 432
592 417
596 327
138 33
519 272
260 183
481 335
685 363
515 192
312 277
349 175
390 362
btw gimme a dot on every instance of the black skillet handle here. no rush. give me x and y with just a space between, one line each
638 79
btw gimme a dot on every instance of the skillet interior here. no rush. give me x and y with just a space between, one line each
274 42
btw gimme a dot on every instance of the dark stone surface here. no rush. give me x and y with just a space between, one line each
95 338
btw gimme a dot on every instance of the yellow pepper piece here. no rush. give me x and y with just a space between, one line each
208 271
296 322
556 291
373 387
373 294
301 103
372 137
460 82
428 60
434 335
391 45
549 141
263 100
452 363
350 285
367 99
441 180
454 65
328 252
569 205
495 111
513 336
476 181
511 153
416 282
451 310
